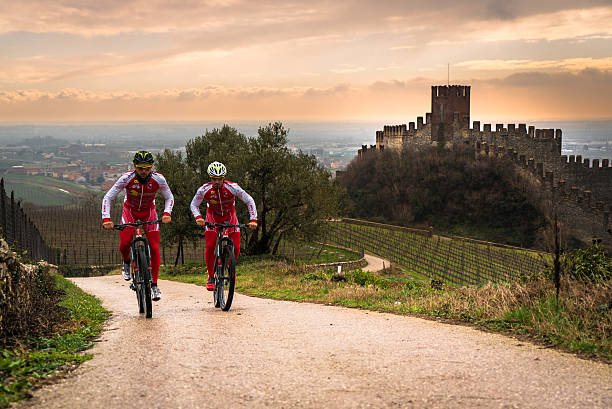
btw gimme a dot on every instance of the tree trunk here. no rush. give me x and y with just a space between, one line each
178 251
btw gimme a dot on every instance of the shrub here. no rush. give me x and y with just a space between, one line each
68 270
314 277
590 263
365 278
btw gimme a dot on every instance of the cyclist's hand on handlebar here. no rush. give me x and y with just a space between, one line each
252 225
108 225
166 218
201 222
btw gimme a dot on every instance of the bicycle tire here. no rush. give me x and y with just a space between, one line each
227 278
146 281
216 298
136 283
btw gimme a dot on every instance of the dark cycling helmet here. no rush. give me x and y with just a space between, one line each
143 158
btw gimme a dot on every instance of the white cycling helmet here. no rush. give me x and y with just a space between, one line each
216 170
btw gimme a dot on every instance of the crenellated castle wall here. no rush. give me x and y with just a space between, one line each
583 188
543 148
398 136
581 193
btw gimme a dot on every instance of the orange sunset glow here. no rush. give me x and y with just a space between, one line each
314 60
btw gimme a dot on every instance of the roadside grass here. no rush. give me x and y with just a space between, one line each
30 362
580 321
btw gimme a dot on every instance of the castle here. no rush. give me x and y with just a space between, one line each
583 189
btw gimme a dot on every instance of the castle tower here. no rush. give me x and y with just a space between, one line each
449 105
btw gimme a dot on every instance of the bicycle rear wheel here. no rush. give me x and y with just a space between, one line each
145 287
227 277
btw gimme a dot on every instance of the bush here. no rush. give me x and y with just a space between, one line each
67 270
365 278
314 277
590 263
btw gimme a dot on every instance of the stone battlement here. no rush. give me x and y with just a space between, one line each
590 182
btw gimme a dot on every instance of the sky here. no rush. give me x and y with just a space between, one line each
87 60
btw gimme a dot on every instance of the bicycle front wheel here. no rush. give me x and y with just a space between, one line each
227 277
145 285
136 284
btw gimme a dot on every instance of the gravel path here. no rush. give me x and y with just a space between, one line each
275 354
375 263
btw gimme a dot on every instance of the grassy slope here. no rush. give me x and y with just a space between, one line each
41 190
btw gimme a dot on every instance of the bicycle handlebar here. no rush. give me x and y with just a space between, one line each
224 225
134 224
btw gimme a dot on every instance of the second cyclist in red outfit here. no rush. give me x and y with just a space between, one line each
219 195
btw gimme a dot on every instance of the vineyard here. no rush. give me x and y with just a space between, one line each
457 261
19 232
77 232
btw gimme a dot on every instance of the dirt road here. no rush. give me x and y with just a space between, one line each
275 354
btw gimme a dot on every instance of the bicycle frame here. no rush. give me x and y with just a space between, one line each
138 240
225 265
141 265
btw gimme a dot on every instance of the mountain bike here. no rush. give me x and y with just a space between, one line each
225 266
140 267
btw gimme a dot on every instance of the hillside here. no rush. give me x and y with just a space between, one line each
43 191
445 189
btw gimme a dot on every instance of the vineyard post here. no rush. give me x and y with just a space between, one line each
13 217
3 206
27 233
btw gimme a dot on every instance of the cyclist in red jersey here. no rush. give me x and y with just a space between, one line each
141 185
219 195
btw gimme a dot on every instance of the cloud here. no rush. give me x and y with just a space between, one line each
589 79
185 95
567 64
111 17
327 92
347 70
526 95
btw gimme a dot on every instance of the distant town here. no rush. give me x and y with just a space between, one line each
97 166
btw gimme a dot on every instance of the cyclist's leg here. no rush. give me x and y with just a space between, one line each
210 236
153 239
234 234
125 235
152 232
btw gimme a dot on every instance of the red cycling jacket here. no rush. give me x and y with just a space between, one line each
138 196
221 201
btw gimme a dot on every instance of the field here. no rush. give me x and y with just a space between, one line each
42 190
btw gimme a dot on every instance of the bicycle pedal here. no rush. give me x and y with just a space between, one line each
132 287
